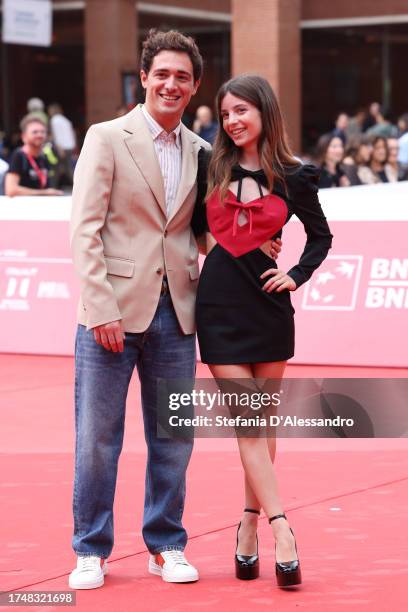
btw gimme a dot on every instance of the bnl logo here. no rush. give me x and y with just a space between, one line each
335 285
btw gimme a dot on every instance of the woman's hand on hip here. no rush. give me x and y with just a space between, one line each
279 281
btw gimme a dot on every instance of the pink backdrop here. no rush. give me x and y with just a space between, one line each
38 288
352 312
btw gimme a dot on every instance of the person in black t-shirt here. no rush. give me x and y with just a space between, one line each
28 171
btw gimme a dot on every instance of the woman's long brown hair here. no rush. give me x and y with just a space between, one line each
274 151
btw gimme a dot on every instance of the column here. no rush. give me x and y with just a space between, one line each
111 48
266 40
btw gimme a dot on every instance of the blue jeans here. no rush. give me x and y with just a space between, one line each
101 386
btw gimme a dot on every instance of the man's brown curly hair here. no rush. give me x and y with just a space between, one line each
172 40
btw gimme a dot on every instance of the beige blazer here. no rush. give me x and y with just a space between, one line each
122 241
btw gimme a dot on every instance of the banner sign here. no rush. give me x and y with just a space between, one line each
27 22
353 311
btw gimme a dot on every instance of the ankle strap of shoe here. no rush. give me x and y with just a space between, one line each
252 510
273 518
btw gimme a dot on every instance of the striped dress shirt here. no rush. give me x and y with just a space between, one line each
168 151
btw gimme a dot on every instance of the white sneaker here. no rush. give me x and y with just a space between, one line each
172 566
89 573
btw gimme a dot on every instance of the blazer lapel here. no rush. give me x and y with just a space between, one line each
139 142
189 152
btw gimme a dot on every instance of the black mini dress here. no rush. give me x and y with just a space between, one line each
238 322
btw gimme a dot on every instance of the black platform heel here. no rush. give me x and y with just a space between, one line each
247 566
287 572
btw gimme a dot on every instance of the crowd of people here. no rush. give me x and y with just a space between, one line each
363 150
44 163
360 150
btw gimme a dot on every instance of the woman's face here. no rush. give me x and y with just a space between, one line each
241 121
335 151
393 149
379 152
364 153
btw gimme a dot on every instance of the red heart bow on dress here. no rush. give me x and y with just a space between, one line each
242 206
267 215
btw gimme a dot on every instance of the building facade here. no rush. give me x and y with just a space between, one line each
321 57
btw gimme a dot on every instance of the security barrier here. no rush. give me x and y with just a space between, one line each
352 312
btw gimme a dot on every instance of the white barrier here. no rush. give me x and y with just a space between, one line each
352 312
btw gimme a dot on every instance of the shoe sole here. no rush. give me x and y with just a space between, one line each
289 580
158 571
246 575
96 584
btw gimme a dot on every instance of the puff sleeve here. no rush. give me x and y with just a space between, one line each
304 203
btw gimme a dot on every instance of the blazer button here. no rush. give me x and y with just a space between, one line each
159 271
165 233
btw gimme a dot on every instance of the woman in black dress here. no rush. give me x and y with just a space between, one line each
244 313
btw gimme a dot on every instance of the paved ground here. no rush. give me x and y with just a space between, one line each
346 500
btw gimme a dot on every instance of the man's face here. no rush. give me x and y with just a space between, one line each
342 121
204 115
35 134
169 86
374 109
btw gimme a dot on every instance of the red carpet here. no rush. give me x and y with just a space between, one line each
346 500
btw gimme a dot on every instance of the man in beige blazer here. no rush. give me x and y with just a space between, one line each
136 256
